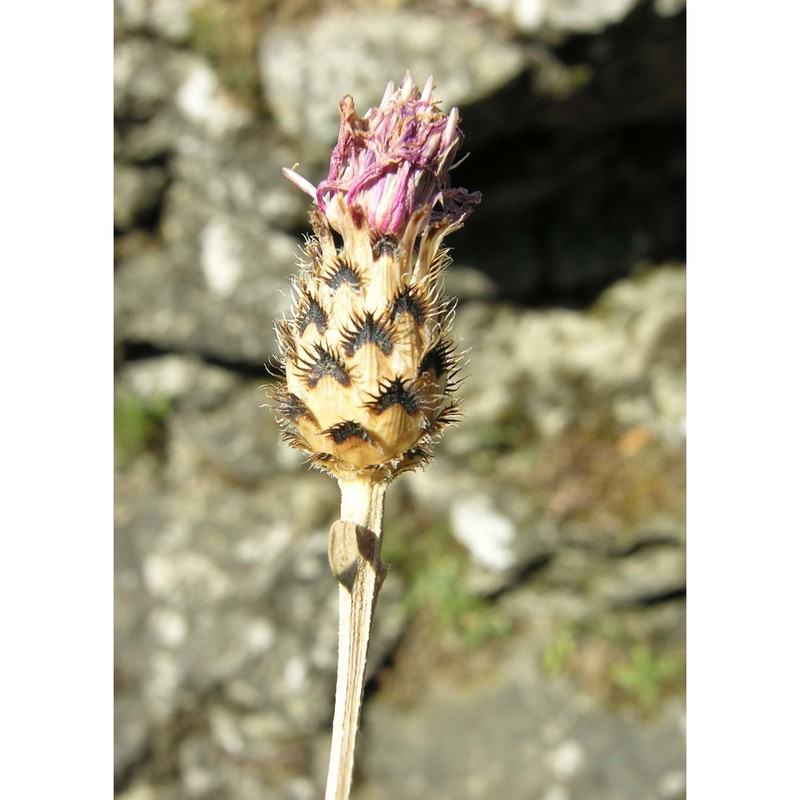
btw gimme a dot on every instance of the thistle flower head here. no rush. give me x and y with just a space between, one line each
392 162
369 362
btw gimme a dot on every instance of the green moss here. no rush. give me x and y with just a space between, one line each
226 33
619 660
558 652
138 426
434 566
646 675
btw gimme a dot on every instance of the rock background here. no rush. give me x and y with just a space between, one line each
530 638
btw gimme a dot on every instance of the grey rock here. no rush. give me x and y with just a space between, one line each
307 69
648 574
487 532
561 16
541 605
137 193
144 790
219 275
239 438
209 770
209 110
201 777
569 570
131 734
514 737
146 76
179 90
170 19
586 16
501 536
562 363
216 290
206 560
668 8
184 380
244 179
658 529
151 140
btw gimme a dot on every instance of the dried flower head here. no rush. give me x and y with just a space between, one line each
367 352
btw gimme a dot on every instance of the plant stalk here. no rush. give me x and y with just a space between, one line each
354 551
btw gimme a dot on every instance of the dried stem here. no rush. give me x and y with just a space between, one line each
354 551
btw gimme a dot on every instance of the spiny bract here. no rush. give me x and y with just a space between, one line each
369 361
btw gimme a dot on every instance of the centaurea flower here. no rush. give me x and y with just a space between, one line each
367 351
369 361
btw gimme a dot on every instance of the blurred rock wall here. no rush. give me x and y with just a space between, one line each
530 637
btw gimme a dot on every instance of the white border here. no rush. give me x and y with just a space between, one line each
56 252
743 309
